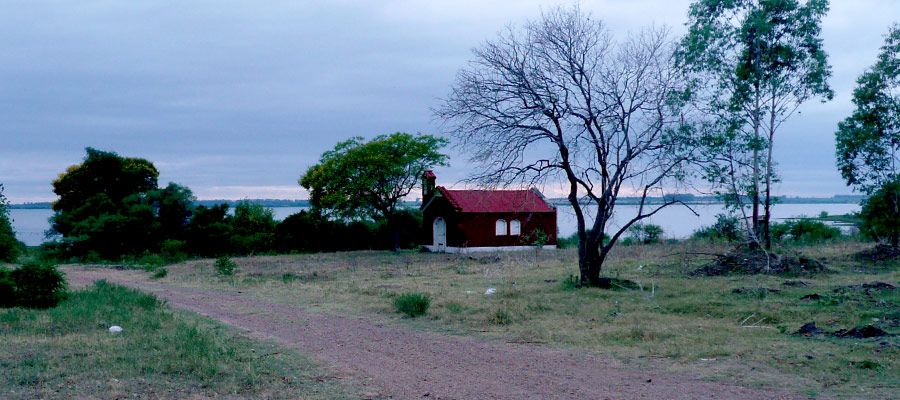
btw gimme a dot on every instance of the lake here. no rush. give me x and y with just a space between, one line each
676 221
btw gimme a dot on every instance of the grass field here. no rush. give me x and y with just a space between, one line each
735 328
68 352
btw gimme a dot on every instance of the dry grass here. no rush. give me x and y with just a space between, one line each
735 328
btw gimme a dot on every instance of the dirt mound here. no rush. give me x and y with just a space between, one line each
756 261
878 254
859 332
866 287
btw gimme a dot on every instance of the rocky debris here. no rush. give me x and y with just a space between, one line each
866 287
809 330
814 296
859 332
744 261
759 291
795 283
878 254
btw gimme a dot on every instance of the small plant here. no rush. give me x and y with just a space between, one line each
225 266
7 289
501 317
289 277
412 304
160 273
39 286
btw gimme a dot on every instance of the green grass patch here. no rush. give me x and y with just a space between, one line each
69 352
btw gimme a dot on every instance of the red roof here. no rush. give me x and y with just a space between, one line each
504 201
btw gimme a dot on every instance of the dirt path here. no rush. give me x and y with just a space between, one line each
397 362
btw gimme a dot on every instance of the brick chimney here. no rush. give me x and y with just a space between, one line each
428 181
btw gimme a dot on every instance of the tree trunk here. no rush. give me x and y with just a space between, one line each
395 233
590 260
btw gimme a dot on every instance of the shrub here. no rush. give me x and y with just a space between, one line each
412 304
7 289
804 230
726 228
646 233
39 286
880 219
225 266
160 273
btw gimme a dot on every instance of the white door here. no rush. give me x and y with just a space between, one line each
440 234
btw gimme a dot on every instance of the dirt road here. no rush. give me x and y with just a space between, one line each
399 362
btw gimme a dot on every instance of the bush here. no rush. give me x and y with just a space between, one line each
804 231
726 228
7 289
571 241
225 266
160 273
412 304
646 233
39 286
9 246
880 219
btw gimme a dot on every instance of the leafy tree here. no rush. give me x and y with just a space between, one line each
9 246
253 228
752 64
561 101
101 205
360 179
869 140
173 207
210 230
879 214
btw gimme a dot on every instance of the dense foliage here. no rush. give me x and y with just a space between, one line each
367 180
868 141
32 286
880 212
9 246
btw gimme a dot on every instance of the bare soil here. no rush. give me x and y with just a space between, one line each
400 362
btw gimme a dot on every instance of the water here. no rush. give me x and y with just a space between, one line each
679 222
676 221
30 225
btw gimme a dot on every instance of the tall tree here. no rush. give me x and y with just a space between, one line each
101 208
9 246
752 64
561 102
869 140
360 179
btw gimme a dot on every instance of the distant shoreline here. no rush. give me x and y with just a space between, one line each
687 199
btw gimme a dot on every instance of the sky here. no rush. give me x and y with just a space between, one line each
237 99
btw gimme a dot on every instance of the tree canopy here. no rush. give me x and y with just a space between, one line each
359 179
868 141
751 64
9 246
560 101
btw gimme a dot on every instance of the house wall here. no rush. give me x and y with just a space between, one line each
478 229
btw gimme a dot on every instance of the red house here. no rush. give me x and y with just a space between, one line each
485 220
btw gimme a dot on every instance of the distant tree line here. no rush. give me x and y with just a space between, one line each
111 207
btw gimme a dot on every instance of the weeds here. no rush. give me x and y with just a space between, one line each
412 304
225 266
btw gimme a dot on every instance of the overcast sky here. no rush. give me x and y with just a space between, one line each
236 99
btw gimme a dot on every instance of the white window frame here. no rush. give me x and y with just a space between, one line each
515 228
500 228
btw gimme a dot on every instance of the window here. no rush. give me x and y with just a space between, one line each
500 229
515 228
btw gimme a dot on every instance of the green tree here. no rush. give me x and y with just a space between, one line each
360 179
173 206
879 214
253 228
869 140
102 205
751 64
9 246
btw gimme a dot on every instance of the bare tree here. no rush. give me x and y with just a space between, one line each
560 101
